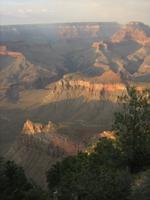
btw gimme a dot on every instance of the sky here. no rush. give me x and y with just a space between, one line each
53 11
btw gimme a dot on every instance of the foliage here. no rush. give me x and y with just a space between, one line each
14 184
141 187
132 125
104 172
108 153
91 177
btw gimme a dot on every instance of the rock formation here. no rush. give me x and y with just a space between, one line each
78 104
133 31
16 73
4 52
31 128
86 30
41 144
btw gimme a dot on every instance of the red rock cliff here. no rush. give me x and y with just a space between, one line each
132 31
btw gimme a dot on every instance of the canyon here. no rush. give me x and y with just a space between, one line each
59 87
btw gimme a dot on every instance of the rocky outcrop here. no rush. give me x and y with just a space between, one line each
48 136
17 73
4 52
87 30
133 31
107 87
39 147
31 128
69 31
109 135
100 45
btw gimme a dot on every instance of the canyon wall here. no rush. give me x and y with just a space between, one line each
40 146
133 31
90 90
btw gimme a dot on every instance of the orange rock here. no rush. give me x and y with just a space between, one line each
5 52
133 33
108 135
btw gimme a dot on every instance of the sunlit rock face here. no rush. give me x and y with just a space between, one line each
86 30
31 128
77 107
5 52
109 135
133 31
47 134
39 147
98 89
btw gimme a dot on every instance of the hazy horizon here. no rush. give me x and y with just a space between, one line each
14 12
